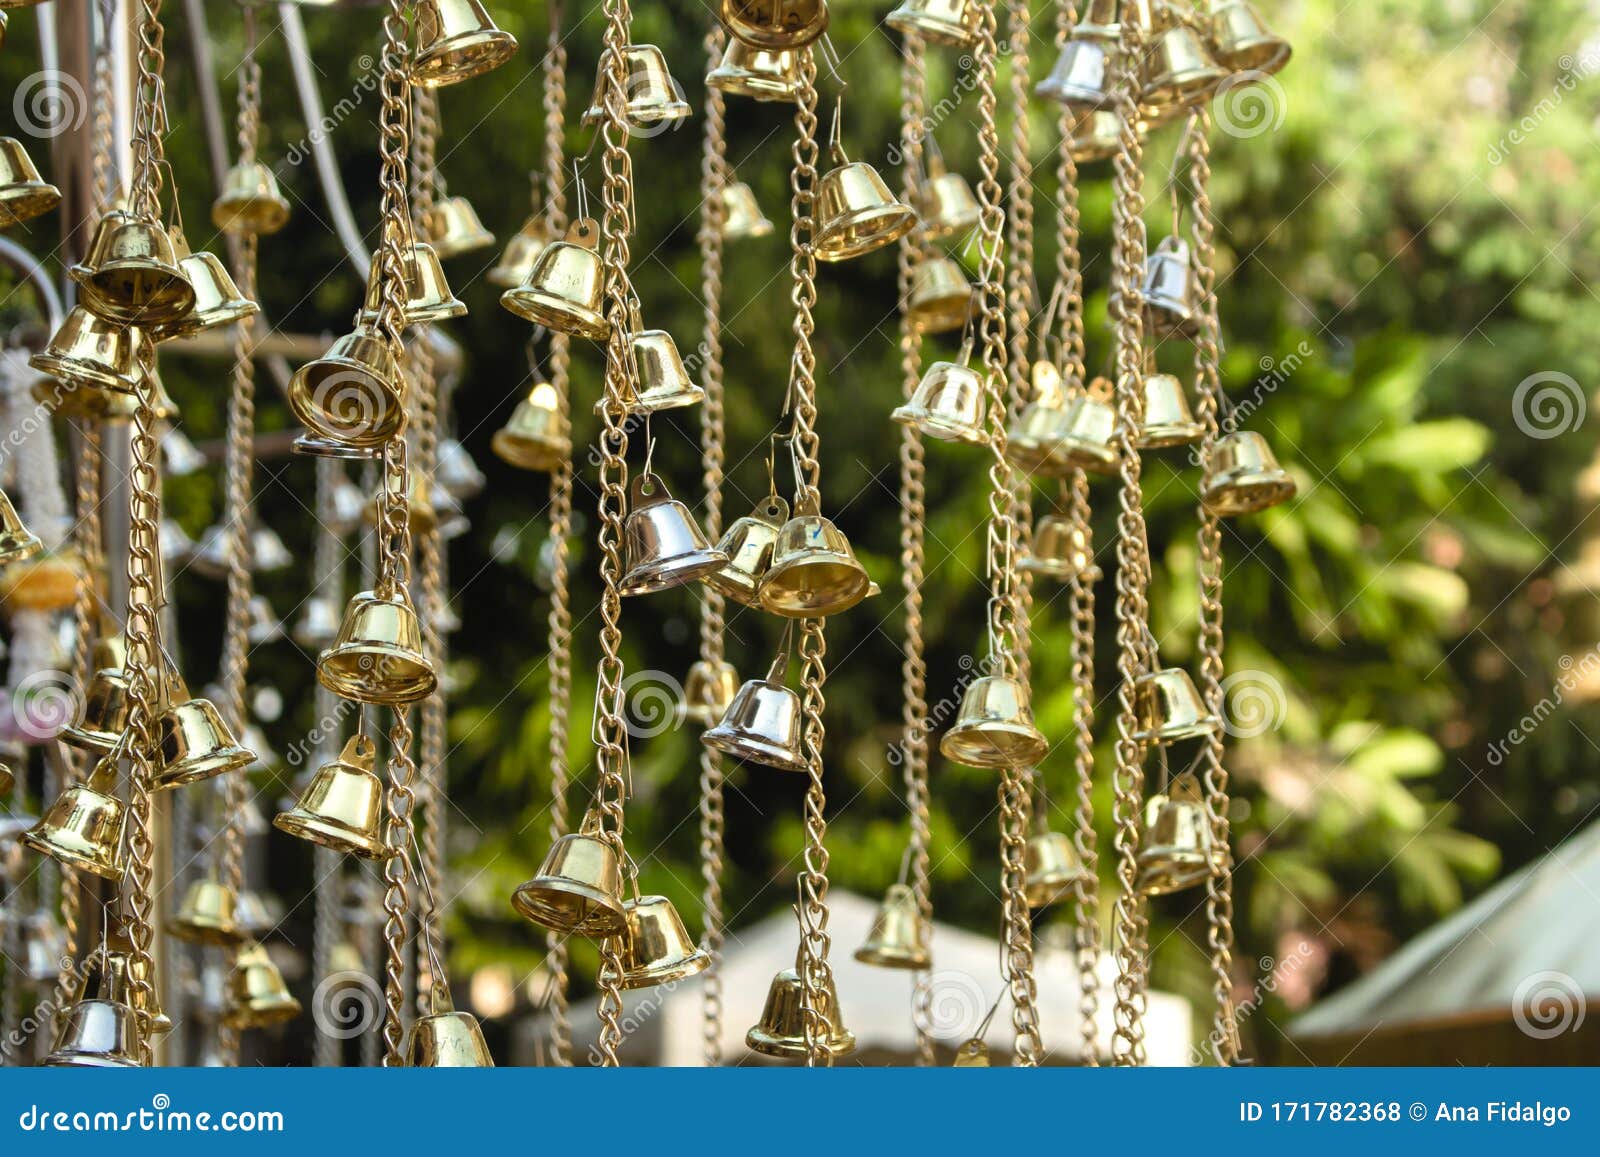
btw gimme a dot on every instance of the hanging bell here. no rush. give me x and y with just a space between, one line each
196 744
1052 442
899 934
1050 869
83 827
947 404
708 689
1176 849
954 22
1060 549
1096 136
24 195
763 724
1168 708
781 1031
377 657
47 582
250 910
579 886
124 969
318 625
1178 71
657 948
447 1039
1167 418
518 257
452 227
759 73
945 203
813 572
342 807
1241 41
352 393
1169 290
775 23
17 542
1079 76
1243 477
748 544
742 217
134 277
105 712
181 457
973 1054
261 623
663 382
217 300
250 204
856 213
994 727
538 434
565 291
427 292
457 41
101 1032
940 299
206 915
257 994
650 95
456 471
86 351
662 545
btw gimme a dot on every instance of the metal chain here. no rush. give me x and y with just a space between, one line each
103 162
149 111
394 147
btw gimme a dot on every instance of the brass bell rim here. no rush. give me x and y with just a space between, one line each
316 446
219 762
452 247
994 745
171 300
676 572
891 956
89 739
1165 435
525 453
643 115
1059 568
933 29
229 313
749 749
336 837
602 914
26 200
557 313
240 214
461 58
19 548
1247 492
738 585
654 404
1047 893
1265 54
863 231
263 1012
1177 733
75 852
938 426
1162 871
691 965
346 671
944 315
211 935
81 372
770 37
753 85
840 1043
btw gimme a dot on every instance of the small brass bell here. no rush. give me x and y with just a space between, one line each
763 724
758 73
17 542
742 217
994 727
579 886
262 624
90 352
1243 477
748 544
1061 550
708 689
776 23
24 195
101 1032
650 95
250 202
196 744
452 227
1053 442
105 712
83 827
1178 70
217 300
377 656
342 807
517 260
899 934
940 299
1050 868
124 970
427 292
1169 708
538 435
973 1054
781 1031
1096 136
135 278
1242 42
566 289
457 472
1169 290
447 1039
319 623
1167 418
206 915
1079 76
1176 849
663 381
954 22
947 404
945 202
657 948
456 41
856 213
352 393
257 995
662 545
813 573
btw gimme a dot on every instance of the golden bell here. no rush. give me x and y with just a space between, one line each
46 582
518 257
83 827
650 95
88 351
1079 76
427 292
940 299
135 278
1176 849
708 689
342 807
1167 418
377 656
939 21
741 213
899 935
250 202
947 404
17 542
579 886
101 1032
1178 71
1169 290
776 23
763 724
1242 476
457 41
538 435
351 393
1052 443
565 290
318 624
1241 42
781 1031
452 227
813 573
24 195
856 213
994 727
663 382
973 1054
1060 549
122 970
759 73
257 995
662 545
1050 868
748 544
657 949
196 744
945 203
1169 708
447 1040
1096 136
105 712
206 915
217 300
